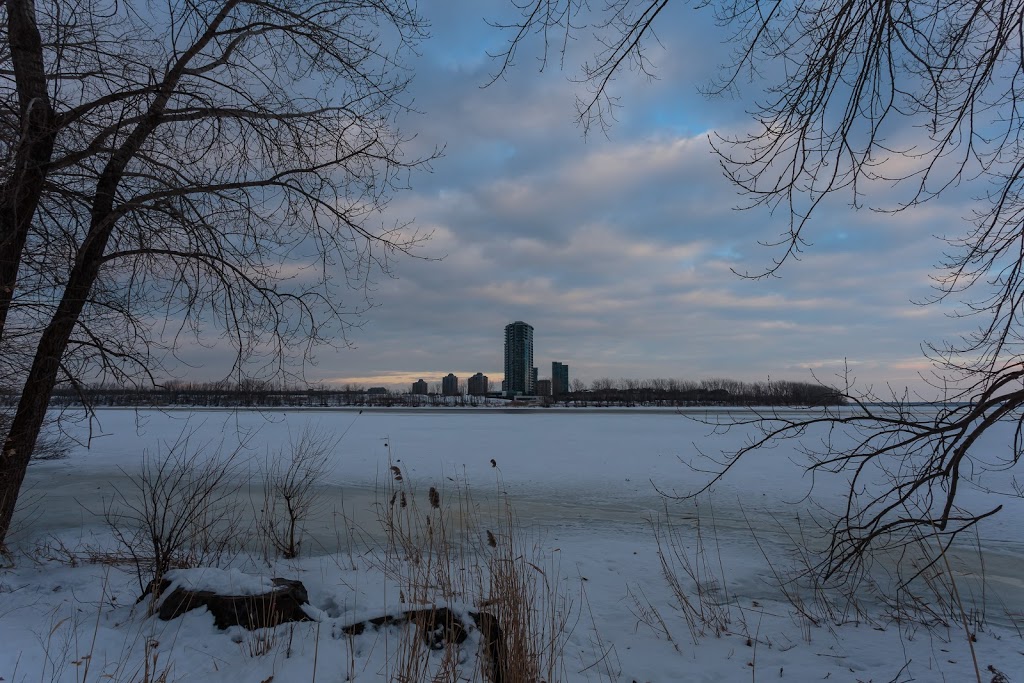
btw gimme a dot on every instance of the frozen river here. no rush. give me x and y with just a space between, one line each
569 474
566 469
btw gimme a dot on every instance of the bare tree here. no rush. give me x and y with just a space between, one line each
293 482
198 170
859 95
182 509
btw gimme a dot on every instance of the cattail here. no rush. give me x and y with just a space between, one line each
402 501
494 463
393 497
435 498
491 540
397 472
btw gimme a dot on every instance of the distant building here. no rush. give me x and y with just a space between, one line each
519 359
543 387
559 378
478 384
377 391
420 387
533 379
450 385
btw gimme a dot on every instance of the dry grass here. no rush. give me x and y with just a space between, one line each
696 578
816 601
69 651
446 549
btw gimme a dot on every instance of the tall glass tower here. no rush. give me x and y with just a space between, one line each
519 359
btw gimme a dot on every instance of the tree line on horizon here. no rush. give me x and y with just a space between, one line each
601 392
710 391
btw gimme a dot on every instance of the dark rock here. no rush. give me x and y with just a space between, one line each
439 626
495 659
281 605
154 588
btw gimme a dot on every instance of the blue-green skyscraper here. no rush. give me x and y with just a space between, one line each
518 359
559 378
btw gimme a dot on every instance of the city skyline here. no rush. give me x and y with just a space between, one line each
519 362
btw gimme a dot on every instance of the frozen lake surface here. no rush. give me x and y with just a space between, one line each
567 471
586 469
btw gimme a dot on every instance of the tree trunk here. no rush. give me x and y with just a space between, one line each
19 197
42 377
20 193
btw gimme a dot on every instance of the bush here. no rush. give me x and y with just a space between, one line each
181 510
291 489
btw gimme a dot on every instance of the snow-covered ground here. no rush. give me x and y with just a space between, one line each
582 484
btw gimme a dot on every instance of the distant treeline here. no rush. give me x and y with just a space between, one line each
715 391
602 392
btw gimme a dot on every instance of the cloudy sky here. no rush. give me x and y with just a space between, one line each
620 249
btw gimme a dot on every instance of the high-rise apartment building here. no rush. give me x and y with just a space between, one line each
478 384
419 387
519 359
559 378
450 385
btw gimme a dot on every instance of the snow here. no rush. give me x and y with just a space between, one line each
230 581
582 484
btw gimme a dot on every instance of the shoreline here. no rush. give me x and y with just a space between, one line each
680 411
